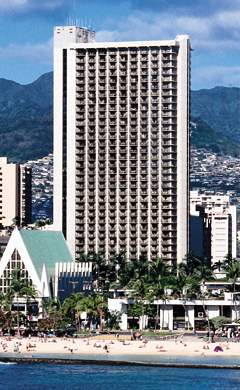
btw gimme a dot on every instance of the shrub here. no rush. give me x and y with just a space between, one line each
219 321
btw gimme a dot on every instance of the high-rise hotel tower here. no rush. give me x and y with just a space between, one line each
121 144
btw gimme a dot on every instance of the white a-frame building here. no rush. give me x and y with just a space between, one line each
35 253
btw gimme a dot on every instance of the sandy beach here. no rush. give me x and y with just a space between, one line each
186 346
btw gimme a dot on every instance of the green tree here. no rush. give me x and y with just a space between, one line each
193 273
94 305
135 310
232 270
100 307
139 282
231 267
104 272
191 263
68 306
160 279
219 321
7 317
20 288
54 318
113 318
84 305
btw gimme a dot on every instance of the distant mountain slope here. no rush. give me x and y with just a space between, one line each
26 119
219 107
203 136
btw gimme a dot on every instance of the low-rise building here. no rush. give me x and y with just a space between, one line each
179 313
72 278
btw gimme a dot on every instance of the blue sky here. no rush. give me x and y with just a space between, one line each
213 25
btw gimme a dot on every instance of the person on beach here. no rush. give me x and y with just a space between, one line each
106 348
212 335
229 333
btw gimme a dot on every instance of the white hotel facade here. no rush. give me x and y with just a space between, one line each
121 144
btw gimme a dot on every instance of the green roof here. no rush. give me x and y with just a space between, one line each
46 247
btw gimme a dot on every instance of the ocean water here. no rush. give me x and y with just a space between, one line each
96 377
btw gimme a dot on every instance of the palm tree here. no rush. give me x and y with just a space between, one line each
116 265
69 305
190 263
196 286
20 287
103 272
140 292
29 292
6 315
192 275
232 270
15 290
137 279
83 305
228 260
54 313
160 279
54 318
94 306
126 273
98 264
204 273
100 306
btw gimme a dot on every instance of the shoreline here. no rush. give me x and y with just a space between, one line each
31 359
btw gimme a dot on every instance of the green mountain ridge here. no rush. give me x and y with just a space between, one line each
205 137
26 119
219 107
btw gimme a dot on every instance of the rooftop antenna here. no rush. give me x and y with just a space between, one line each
90 24
71 19
74 11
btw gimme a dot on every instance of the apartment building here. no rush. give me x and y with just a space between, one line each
25 194
15 193
218 235
121 144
